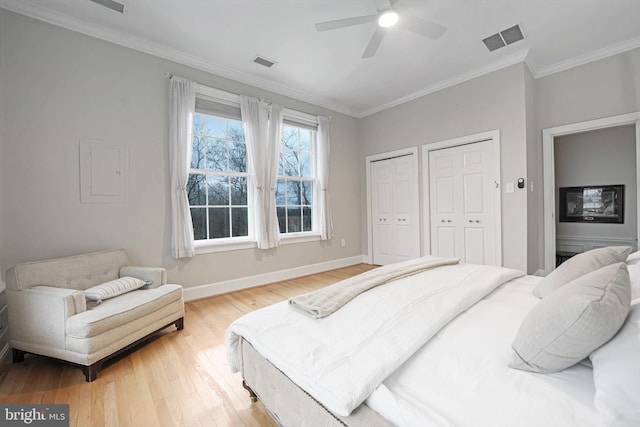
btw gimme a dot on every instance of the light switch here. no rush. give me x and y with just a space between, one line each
509 188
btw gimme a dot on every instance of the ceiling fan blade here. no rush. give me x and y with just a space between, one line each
374 43
420 26
346 22
385 4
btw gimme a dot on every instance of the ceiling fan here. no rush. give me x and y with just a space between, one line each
386 17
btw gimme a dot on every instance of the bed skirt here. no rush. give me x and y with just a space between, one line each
289 405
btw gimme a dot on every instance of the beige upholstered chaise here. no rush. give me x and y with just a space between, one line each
49 315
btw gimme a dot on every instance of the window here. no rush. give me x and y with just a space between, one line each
221 185
218 180
295 183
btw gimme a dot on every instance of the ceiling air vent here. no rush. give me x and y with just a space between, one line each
111 4
503 38
263 61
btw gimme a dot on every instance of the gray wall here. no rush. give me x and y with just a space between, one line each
521 107
493 101
58 87
600 157
603 88
2 201
535 242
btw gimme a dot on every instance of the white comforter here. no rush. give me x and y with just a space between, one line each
461 376
342 358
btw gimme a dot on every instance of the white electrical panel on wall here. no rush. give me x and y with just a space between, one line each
103 171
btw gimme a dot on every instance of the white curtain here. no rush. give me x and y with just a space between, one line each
182 101
263 127
272 228
324 144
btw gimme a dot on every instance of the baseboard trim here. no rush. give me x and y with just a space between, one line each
621 240
212 289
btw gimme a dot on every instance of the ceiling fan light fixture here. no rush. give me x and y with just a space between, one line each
388 18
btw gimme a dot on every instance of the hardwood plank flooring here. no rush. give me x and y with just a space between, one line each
178 378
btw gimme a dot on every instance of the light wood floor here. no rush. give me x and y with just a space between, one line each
176 379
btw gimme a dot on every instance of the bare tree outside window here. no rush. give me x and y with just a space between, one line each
294 187
217 186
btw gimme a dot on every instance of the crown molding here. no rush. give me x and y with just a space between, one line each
588 57
42 14
461 78
24 7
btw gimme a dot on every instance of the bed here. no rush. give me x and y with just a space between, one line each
434 342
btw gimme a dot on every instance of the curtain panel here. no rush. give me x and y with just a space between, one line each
182 101
274 136
263 126
324 145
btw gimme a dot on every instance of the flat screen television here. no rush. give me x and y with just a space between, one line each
595 204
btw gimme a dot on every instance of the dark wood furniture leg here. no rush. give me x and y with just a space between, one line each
252 395
91 372
18 355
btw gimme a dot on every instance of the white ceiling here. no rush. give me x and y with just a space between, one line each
325 68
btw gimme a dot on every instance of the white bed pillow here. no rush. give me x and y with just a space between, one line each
634 258
113 288
616 375
580 265
634 278
570 323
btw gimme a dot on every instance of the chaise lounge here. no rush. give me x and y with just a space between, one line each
88 308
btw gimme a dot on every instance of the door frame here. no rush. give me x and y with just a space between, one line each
375 158
494 137
548 169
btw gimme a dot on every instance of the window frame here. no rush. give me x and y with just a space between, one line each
229 174
313 178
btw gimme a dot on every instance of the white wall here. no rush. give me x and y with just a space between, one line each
493 101
600 157
58 87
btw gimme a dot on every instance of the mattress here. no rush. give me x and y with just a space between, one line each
461 376
289 405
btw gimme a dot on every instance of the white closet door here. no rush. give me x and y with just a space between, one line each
395 216
461 203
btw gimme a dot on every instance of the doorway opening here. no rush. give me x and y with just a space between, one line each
548 155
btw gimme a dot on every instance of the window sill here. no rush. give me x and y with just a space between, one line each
206 247
287 239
